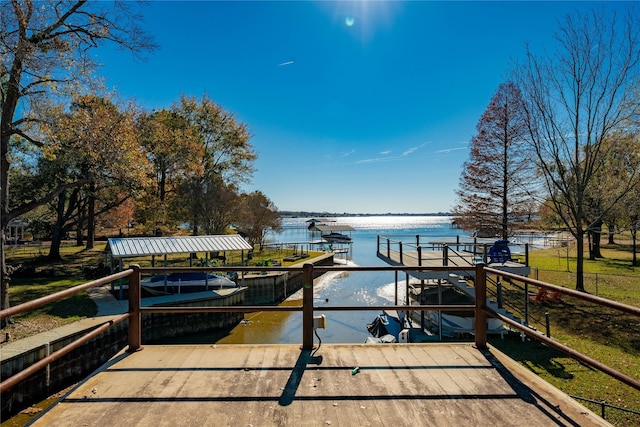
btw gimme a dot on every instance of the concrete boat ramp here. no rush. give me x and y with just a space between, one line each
431 384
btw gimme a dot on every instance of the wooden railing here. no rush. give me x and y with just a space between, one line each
309 271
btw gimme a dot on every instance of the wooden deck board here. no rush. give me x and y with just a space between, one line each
280 385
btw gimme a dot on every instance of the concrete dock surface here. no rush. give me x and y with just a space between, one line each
433 384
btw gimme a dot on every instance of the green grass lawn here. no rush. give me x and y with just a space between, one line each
605 335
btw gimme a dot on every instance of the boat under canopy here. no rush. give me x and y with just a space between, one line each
185 283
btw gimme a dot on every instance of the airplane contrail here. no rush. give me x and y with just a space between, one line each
285 63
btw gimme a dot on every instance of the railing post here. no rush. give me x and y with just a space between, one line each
388 248
417 240
481 304
419 256
400 251
445 255
526 303
526 254
135 317
307 306
547 324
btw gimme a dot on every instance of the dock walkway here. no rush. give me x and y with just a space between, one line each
428 259
280 385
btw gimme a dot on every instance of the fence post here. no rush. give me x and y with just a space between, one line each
547 324
526 303
481 304
135 317
307 306
445 255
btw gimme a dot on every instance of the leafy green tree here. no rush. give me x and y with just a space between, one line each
576 98
227 157
496 182
175 150
621 162
46 52
257 216
218 204
97 144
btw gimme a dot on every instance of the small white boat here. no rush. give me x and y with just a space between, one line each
185 283
335 237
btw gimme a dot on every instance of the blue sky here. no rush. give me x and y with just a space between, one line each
354 106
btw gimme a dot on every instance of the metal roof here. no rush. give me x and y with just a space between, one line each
141 246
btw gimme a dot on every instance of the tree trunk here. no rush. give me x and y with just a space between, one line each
56 237
11 95
4 285
634 235
611 228
634 261
81 225
580 262
597 237
91 216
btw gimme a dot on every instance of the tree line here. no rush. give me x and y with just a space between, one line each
559 139
75 157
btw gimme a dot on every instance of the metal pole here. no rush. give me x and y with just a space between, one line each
135 316
307 306
546 318
396 289
481 305
526 304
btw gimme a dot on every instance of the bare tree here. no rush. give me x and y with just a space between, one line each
495 184
576 98
46 51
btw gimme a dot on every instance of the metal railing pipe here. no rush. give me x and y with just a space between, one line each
135 319
292 308
42 363
571 292
31 305
481 305
307 306
632 382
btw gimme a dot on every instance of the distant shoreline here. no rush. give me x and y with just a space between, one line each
306 214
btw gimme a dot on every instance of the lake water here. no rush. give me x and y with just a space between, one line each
356 288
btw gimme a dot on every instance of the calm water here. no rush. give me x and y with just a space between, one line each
360 288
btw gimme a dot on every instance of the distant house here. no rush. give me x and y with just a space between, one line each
16 230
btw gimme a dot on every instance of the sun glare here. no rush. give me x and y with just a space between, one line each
368 16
